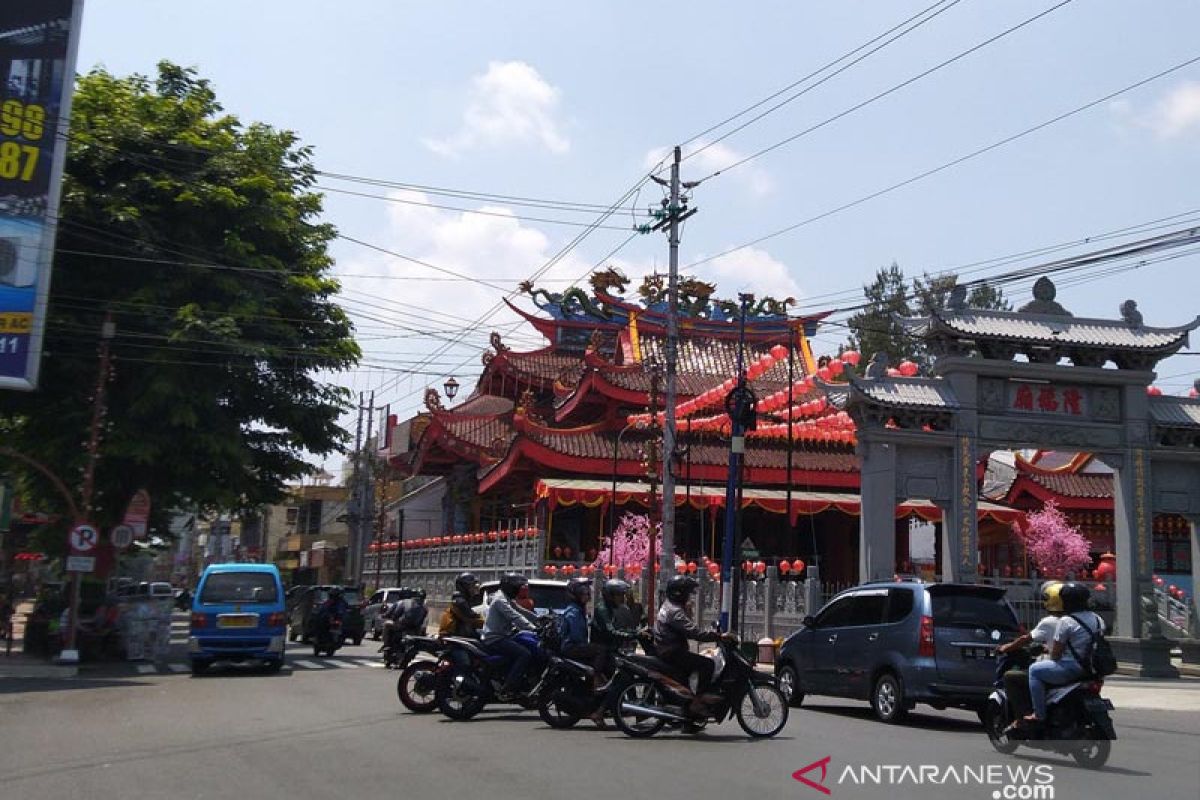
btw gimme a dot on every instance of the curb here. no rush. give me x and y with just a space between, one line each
45 671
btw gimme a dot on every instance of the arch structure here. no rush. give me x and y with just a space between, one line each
1033 378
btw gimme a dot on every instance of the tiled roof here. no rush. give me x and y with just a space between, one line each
1175 411
1075 484
703 364
1060 330
908 392
479 431
484 405
542 365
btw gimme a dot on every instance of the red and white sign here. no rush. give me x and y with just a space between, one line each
137 514
84 539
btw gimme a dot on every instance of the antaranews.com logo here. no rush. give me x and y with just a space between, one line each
1007 782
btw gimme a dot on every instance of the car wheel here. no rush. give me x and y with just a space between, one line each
888 699
274 665
789 684
200 666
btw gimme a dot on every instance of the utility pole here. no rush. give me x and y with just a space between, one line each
652 470
676 212
739 404
70 653
354 507
367 500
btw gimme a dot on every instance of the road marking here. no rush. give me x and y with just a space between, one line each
146 669
375 664
307 664
344 664
178 667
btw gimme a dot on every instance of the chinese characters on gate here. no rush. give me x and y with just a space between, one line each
1038 398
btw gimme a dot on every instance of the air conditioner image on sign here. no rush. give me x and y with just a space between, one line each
19 242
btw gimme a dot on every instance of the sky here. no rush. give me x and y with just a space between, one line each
577 102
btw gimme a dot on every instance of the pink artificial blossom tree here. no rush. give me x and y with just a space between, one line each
1056 546
630 542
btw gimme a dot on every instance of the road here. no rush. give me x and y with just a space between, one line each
336 730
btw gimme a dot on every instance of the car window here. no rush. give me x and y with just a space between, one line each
352 597
967 609
867 608
836 614
376 599
900 604
239 587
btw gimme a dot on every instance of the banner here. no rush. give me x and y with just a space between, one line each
38 42
137 514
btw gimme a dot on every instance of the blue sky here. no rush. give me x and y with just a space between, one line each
572 101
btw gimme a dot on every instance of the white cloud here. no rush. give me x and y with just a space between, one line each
708 159
509 104
752 270
1175 114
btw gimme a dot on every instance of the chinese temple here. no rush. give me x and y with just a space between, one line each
565 433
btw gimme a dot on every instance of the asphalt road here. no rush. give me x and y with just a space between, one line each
338 731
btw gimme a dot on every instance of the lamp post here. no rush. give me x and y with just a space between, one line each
736 406
450 387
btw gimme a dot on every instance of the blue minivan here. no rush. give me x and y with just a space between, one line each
238 614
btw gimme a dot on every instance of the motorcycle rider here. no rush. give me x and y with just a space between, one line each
504 619
606 629
1013 660
408 617
1071 641
575 642
334 607
674 626
460 617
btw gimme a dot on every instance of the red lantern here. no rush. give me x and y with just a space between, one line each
784 567
492 536
907 368
550 569
824 374
760 567
798 566
1100 587
1154 391
1172 589
691 567
568 570
457 539
852 357
1158 581
610 570
836 367
779 351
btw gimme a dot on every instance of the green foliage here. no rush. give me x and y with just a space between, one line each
874 329
201 236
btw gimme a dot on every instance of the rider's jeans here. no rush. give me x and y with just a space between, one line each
1049 673
518 660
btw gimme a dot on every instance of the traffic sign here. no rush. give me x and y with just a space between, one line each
84 538
81 563
121 536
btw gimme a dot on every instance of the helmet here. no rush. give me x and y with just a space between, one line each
336 593
1074 596
1052 596
467 583
614 588
580 589
680 588
511 583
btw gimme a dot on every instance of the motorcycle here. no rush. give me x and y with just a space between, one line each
416 686
469 676
329 637
1077 724
653 696
568 693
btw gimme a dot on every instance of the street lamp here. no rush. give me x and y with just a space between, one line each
450 387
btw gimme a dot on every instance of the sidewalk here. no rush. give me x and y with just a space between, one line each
1181 694
18 665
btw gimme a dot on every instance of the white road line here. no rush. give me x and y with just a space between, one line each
307 664
375 664
344 664
178 667
146 669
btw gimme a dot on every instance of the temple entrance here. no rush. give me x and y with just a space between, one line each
1032 378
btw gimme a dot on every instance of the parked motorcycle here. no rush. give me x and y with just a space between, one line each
654 696
469 676
1077 724
329 637
416 686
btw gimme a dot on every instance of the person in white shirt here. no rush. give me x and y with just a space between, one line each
1069 649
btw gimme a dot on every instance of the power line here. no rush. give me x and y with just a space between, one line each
949 164
887 92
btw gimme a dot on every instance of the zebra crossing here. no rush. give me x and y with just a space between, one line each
295 664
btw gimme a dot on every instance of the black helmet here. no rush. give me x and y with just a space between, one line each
613 588
511 583
580 589
467 583
419 594
1074 596
680 588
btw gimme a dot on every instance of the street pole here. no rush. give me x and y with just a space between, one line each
791 436
70 653
668 461
355 504
612 514
737 447
367 500
652 469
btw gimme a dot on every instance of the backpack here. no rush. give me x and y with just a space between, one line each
1101 662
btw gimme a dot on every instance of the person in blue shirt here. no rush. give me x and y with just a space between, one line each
575 644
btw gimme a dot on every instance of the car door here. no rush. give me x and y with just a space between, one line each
858 648
820 667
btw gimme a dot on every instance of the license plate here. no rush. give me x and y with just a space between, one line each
237 620
978 652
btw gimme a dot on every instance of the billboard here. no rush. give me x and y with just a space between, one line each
38 41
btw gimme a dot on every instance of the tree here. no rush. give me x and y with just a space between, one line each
874 328
201 237
630 542
1056 547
